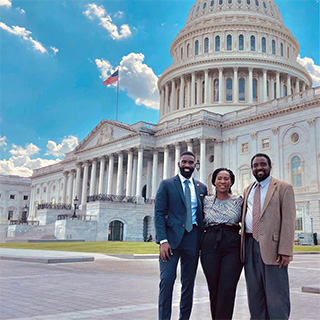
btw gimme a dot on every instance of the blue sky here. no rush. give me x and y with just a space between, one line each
55 55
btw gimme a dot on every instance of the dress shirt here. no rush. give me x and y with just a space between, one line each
194 202
264 185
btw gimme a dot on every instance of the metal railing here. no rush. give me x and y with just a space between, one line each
19 222
57 206
82 217
111 198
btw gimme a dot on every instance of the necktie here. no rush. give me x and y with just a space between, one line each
256 208
187 194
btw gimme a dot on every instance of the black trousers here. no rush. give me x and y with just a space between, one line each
220 259
267 286
188 254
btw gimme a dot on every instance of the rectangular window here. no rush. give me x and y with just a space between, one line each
38 191
12 196
10 214
299 223
245 147
265 143
44 190
25 197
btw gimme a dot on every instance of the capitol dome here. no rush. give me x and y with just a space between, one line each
230 55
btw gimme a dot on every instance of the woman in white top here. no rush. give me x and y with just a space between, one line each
220 246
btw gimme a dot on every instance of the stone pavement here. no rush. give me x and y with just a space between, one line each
118 288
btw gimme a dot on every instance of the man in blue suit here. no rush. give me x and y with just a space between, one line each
179 225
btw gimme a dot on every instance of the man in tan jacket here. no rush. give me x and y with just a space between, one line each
267 235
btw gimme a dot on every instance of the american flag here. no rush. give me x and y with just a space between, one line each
113 78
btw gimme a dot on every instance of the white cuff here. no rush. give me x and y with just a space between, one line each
163 241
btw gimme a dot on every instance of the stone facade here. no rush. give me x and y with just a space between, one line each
234 88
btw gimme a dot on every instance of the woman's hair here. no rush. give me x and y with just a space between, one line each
231 174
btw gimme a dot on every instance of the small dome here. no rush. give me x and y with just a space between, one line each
204 9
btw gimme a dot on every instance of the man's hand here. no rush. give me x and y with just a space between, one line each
165 251
283 260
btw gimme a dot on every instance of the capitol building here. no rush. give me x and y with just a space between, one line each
234 88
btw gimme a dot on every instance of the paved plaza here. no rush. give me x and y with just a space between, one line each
120 288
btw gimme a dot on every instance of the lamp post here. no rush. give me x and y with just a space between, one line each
75 203
198 165
312 239
24 214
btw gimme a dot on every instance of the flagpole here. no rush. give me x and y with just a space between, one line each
117 94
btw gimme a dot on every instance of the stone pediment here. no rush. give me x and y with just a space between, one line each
105 132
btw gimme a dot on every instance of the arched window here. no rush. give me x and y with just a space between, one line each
253 43
229 42
273 47
263 44
181 53
204 6
254 89
220 2
229 1
115 231
202 97
212 3
196 48
284 90
217 43
248 2
296 171
241 42
229 89
281 49
216 90
242 89
206 45
188 50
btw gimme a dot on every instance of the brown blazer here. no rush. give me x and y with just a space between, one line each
277 222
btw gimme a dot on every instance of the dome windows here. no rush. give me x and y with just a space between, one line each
229 42
204 5
198 9
229 1
248 2
252 43
273 47
242 89
263 44
257 3
281 49
264 5
241 47
217 43
229 89
206 45
239 1
196 48
220 2
212 3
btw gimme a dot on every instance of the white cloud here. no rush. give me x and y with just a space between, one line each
313 69
5 3
21 164
25 35
29 150
99 12
3 142
119 14
55 50
67 145
137 78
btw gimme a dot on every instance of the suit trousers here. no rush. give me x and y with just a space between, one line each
220 259
267 286
188 254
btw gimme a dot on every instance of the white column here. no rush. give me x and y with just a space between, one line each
129 174
120 175
165 162
93 177
139 172
181 98
162 102
220 85
250 89
188 103
278 93
154 173
303 86
110 173
166 93
177 157
199 90
101 175
203 160
149 176
65 181
289 85
235 85
193 96
264 84
78 181
297 86
189 145
85 183
134 176
206 86
70 186
210 84
173 96
217 154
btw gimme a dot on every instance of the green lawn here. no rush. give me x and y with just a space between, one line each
108 247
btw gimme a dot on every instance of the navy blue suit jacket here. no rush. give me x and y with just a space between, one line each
170 210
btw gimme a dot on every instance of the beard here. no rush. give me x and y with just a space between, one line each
187 174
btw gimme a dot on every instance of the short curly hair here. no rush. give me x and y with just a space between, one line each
231 174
